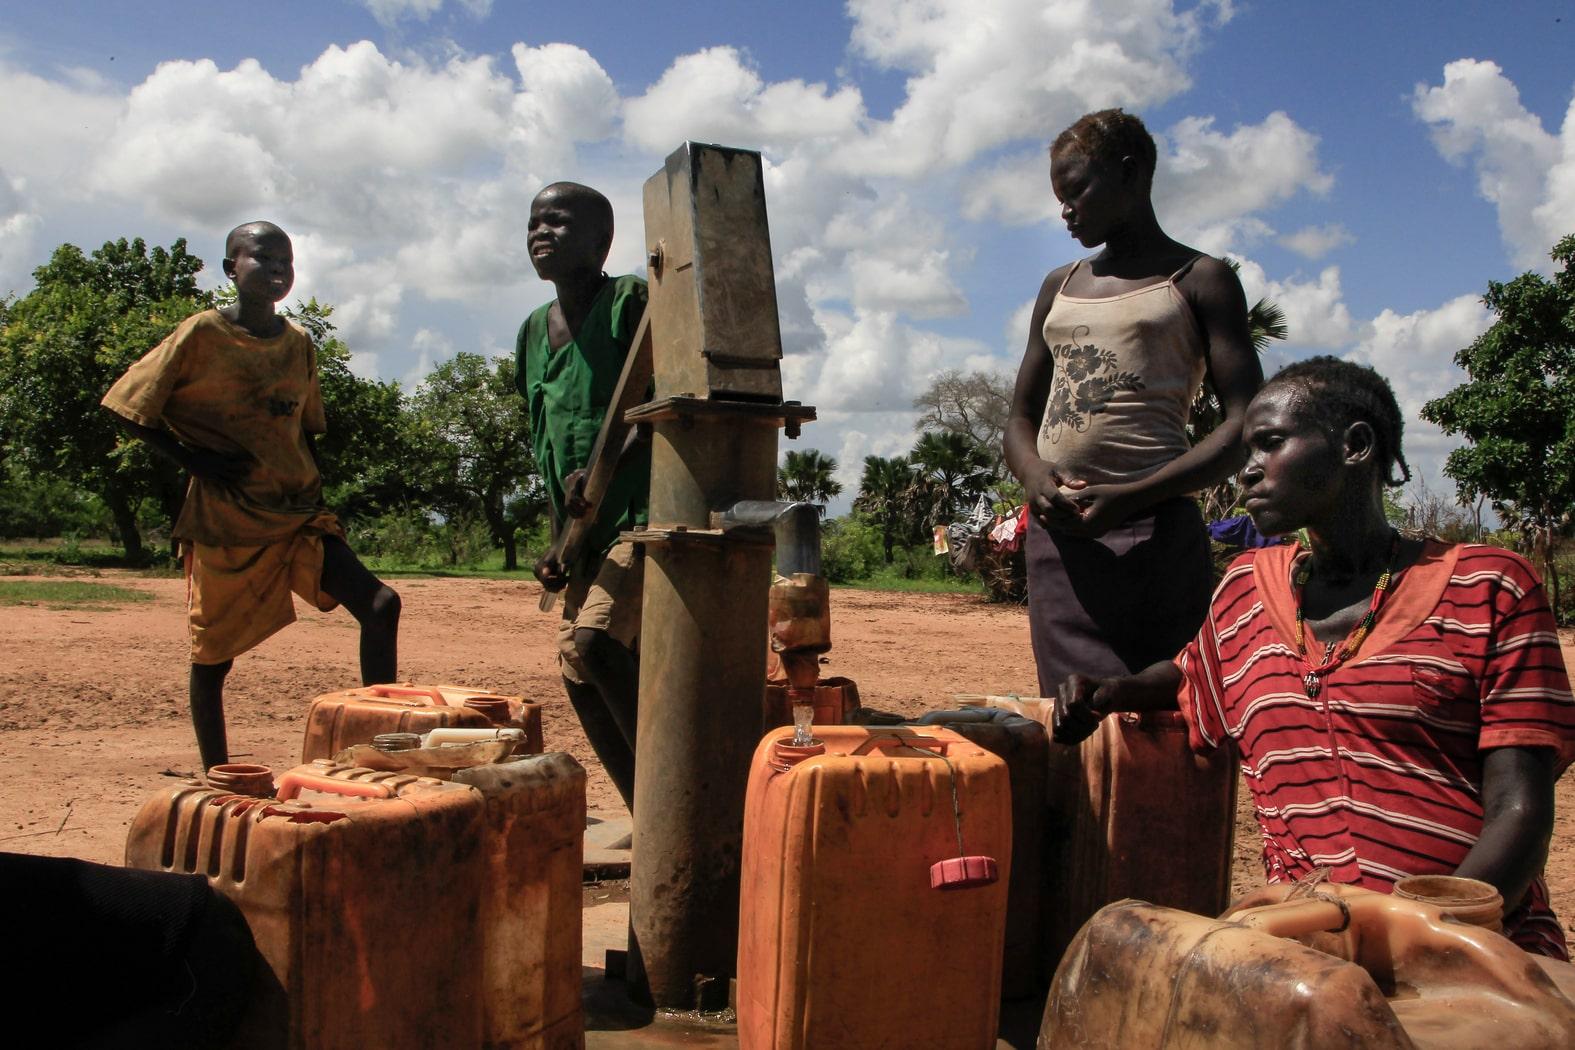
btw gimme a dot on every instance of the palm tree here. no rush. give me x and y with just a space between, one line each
807 476
887 493
954 468
1265 323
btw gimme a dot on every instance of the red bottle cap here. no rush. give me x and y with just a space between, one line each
963 873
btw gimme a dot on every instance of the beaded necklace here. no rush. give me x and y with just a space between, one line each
1333 657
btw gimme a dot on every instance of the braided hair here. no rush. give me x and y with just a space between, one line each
1338 393
1106 137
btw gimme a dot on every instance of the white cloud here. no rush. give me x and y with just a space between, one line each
714 96
1314 242
1526 172
431 349
1213 185
1315 311
390 13
986 75
1415 352
567 98
399 178
1210 187
50 127
19 225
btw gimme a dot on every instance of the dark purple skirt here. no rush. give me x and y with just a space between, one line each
1116 604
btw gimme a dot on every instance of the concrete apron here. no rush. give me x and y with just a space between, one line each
612 1022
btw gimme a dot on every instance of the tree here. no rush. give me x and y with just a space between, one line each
366 454
888 493
955 470
1265 323
808 477
1516 409
472 439
973 404
63 344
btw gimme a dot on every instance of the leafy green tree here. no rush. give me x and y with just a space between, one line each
808 476
366 454
1516 409
955 471
88 318
38 505
471 436
889 492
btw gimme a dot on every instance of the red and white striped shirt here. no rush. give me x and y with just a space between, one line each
1380 775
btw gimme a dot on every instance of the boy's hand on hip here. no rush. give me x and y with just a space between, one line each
549 571
224 467
574 502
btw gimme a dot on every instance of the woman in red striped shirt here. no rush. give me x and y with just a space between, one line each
1400 705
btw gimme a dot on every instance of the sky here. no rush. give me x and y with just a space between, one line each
1371 166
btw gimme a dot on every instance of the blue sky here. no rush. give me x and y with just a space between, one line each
1371 165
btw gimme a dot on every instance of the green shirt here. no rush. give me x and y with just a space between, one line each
567 392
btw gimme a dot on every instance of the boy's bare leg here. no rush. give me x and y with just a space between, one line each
374 605
605 737
207 712
614 671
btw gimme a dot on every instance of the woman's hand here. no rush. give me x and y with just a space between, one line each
1046 502
1100 509
1081 703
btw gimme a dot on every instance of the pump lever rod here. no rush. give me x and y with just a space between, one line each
633 384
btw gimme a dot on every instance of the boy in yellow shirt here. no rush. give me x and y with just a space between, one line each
232 396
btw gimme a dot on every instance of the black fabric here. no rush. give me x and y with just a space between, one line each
1116 604
156 959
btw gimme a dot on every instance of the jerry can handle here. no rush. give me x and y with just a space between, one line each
892 741
410 691
291 783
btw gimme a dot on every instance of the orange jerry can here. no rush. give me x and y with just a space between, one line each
357 895
354 716
1340 967
529 921
848 936
531 901
1133 812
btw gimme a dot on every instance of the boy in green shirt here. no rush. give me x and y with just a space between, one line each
569 356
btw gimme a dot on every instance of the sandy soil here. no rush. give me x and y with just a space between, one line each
93 702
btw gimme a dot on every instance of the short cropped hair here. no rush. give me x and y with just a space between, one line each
597 207
257 227
1339 393
1107 136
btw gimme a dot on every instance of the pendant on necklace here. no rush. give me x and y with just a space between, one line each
1311 683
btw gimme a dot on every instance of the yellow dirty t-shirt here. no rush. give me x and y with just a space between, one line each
214 385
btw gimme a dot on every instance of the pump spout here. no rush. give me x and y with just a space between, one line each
797 527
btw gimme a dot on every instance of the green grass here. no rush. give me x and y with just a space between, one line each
896 582
67 594
54 557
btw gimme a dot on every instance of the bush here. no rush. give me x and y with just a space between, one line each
850 549
40 507
400 537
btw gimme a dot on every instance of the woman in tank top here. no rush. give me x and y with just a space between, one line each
1119 343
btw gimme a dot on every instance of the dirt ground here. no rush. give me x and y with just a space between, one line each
93 715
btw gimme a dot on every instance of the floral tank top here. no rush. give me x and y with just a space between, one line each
1126 370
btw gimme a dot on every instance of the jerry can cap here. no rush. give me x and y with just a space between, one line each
963 873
